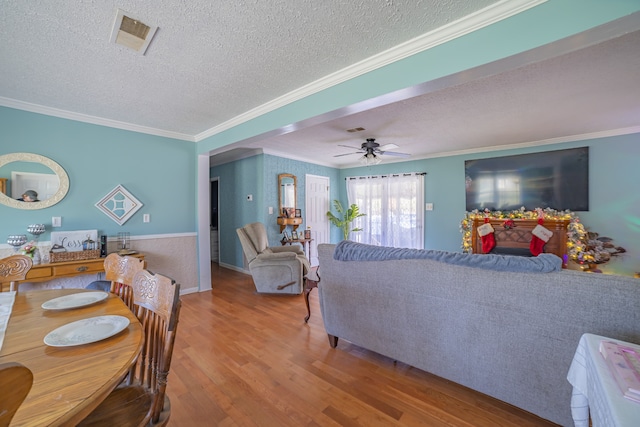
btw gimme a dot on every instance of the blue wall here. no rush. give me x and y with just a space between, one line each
160 172
543 24
614 197
614 209
258 176
237 180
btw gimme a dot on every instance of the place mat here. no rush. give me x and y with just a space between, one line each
6 305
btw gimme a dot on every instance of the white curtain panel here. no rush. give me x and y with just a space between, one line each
394 208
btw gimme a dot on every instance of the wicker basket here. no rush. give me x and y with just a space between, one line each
73 256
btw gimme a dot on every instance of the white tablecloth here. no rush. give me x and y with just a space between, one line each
595 391
6 305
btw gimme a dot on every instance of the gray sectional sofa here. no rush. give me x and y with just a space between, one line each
508 334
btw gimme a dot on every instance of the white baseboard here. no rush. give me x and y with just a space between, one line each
233 267
190 291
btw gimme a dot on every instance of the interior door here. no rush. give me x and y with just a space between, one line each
316 207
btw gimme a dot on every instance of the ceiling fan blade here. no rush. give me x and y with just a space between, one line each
388 147
393 153
347 154
348 146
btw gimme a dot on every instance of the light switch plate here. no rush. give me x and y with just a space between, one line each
428 206
56 221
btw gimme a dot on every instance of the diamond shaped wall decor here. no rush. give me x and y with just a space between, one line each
119 205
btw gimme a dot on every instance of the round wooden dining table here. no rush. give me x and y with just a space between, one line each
68 382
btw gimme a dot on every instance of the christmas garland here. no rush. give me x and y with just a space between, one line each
582 247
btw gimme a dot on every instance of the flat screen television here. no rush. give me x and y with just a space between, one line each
551 179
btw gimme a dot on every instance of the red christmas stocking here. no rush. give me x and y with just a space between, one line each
539 237
485 231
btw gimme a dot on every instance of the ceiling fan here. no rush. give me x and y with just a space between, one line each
371 150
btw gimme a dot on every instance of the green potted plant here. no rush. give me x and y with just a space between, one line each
344 218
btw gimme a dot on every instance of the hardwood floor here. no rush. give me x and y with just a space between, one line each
245 359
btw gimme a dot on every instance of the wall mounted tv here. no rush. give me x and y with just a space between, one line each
551 179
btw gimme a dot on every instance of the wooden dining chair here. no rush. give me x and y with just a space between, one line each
15 382
141 400
14 269
119 273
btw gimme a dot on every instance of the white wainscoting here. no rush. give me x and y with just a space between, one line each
173 255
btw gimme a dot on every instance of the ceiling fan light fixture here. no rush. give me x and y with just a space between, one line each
370 159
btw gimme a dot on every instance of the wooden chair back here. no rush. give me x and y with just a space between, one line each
141 399
121 270
157 307
13 269
15 383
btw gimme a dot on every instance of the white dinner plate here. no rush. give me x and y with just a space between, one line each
86 331
80 299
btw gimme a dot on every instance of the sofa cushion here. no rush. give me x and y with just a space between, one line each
543 263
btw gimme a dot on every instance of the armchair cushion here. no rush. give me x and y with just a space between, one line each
267 256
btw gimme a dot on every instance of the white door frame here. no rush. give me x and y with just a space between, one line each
204 221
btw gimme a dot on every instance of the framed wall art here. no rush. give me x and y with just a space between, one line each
119 205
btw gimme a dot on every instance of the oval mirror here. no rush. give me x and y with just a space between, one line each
287 192
26 172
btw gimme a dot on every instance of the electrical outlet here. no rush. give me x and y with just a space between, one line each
428 206
250 197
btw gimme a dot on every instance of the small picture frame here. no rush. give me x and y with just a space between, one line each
285 236
298 213
285 213
307 234
294 235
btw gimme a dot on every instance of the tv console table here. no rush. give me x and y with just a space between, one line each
519 236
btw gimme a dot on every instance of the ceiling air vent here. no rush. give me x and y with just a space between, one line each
131 33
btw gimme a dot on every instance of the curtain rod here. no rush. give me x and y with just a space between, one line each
385 176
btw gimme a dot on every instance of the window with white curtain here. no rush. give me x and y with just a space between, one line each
393 205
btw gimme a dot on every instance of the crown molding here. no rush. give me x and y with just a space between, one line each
473 22
569 138
85 118
528 144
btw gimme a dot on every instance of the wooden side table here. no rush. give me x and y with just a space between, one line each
306 245
310 281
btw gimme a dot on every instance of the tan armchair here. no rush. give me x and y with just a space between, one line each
277 269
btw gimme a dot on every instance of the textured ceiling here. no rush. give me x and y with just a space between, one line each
589 92
212 61
209 60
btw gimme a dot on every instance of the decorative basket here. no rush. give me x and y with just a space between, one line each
74 256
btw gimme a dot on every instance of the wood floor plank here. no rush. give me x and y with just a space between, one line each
247 359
